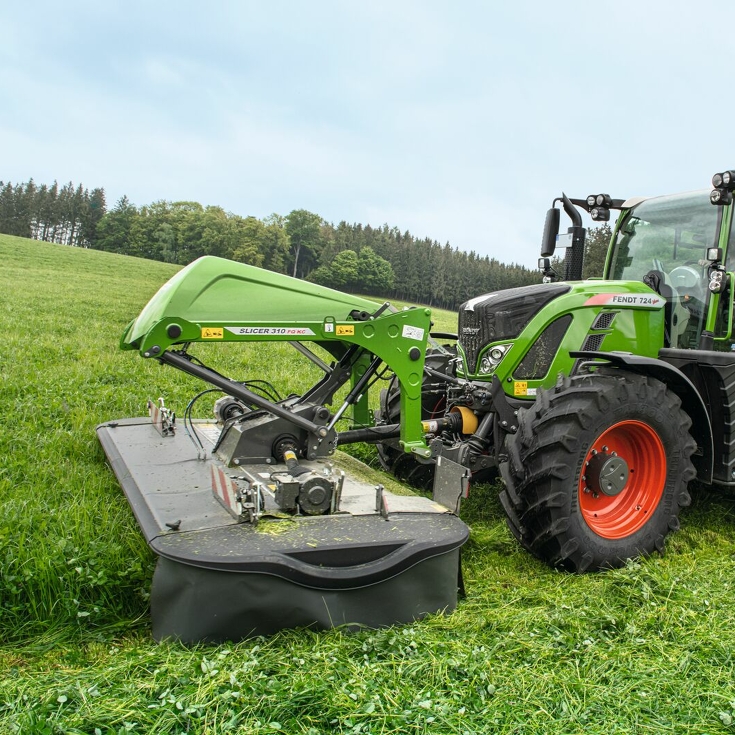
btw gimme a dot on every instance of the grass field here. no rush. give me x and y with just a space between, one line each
644 649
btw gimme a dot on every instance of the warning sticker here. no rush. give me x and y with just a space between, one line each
272 331
345 330
212 333
413 333
520 388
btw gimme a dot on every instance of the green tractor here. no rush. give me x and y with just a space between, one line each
598 401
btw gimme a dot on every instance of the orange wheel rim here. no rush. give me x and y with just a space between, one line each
622 479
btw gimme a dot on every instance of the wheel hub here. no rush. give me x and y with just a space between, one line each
607 474
623 479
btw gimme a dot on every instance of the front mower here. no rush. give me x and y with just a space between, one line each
260 523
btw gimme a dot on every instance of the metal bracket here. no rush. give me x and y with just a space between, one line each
451 484
242 504
381 501
250 501
337 494
164 419
507 415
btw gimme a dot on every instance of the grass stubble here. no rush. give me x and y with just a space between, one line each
644 649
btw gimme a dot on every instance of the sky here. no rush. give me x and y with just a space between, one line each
458 121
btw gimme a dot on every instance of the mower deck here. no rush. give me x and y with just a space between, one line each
382 558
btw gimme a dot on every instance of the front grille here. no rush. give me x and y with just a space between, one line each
538 359
501 315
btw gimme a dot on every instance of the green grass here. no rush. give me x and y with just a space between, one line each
643 649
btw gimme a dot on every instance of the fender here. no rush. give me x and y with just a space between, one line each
691 400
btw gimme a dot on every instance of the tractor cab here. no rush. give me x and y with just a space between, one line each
666 242
674 245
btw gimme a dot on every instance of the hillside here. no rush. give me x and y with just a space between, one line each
646 648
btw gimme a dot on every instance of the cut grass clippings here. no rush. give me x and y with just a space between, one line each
643 649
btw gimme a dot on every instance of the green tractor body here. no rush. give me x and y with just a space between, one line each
597 400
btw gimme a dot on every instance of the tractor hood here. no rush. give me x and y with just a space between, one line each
526 334
216 291
501 315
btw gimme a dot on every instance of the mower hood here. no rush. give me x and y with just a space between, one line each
213 290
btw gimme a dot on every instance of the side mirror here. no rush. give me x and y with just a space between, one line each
551 230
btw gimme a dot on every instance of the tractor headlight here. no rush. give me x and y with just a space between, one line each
492 358
600 214
724 185
598 205
599 200
724 179
720 196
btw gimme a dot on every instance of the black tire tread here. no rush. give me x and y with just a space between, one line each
540 473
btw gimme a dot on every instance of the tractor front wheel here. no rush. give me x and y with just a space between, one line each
598 470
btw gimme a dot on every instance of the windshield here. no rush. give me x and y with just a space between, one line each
663 242
663 233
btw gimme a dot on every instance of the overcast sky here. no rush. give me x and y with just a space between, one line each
459 121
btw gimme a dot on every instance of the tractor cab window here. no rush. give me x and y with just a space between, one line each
663 241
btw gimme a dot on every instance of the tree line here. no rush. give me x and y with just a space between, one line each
382 261
65 215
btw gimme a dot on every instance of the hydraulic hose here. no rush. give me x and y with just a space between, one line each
372 434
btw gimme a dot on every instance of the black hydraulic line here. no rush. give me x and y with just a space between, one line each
233 388
357 391
190 430
354 395
323 391
441 376
369 434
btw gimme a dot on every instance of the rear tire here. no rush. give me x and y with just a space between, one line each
598 471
